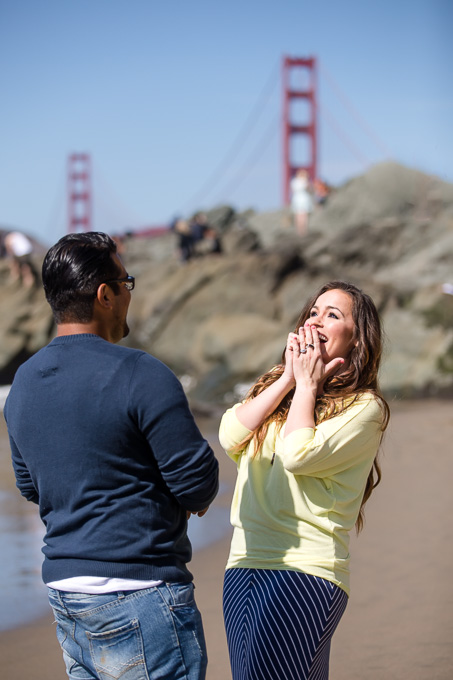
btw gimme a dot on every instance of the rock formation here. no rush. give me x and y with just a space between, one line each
221 320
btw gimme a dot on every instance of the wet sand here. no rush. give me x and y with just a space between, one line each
399 622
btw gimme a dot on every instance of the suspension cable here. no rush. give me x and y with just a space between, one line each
355 115
241 138
343 136
253 158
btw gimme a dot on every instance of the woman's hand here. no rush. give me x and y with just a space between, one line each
310 372
292 348
308 366
254 412
200 513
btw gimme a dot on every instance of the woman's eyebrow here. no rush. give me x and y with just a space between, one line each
337 308
330 307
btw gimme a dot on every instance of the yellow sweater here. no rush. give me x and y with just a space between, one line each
296 513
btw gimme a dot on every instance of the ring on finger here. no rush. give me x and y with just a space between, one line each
310 344
303 351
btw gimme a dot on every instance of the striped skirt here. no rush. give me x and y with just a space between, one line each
279 624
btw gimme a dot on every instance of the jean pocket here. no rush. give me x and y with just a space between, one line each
187 619
118 653
180 595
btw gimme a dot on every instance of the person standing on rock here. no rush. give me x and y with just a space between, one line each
19 249
103 440
301 201
305 441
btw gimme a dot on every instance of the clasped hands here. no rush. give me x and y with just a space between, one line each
305 364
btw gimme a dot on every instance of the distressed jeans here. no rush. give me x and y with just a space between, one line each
132 635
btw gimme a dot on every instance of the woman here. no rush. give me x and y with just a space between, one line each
305 441
301 201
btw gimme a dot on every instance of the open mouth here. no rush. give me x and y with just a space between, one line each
322 338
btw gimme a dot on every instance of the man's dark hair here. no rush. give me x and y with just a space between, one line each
72 271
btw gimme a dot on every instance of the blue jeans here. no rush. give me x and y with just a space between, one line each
133 635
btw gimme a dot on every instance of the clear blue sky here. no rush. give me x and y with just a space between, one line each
159 93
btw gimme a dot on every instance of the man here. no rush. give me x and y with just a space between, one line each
103 440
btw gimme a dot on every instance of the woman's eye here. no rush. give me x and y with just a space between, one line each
312 313
333 315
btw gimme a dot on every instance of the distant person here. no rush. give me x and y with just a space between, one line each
19 249
321 191
211 243
213 239
183 232
301 201
305 441
103 441
205 238
199 226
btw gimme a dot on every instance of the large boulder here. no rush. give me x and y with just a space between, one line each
220 320
26 323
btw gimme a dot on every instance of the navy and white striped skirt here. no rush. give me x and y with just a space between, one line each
279 624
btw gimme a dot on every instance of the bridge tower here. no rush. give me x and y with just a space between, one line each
299 83
79 192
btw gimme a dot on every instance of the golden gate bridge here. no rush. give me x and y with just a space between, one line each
299 83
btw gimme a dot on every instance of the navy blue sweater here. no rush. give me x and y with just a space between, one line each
103 440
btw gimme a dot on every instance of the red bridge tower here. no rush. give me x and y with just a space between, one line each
305 70
80 192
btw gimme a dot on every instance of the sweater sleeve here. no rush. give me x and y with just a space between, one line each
184 458
24 481
231 432
335 444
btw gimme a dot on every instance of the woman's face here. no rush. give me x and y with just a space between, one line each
332 316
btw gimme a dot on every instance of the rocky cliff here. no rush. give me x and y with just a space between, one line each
220 320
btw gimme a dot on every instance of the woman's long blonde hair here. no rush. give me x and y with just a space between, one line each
340 391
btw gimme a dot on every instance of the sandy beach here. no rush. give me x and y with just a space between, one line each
399 622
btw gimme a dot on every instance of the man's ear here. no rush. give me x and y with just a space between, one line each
104 296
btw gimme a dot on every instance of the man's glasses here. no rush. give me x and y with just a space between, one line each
128 281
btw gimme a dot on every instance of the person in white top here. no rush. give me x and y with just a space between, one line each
301 201
19 248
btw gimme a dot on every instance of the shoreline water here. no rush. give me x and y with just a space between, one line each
25 599
21 540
